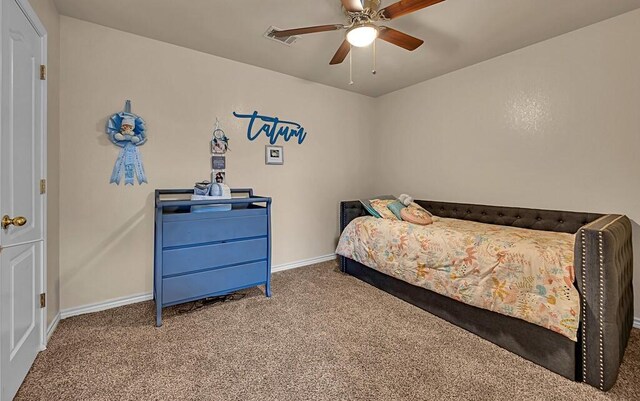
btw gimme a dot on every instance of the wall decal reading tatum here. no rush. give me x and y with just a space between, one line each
273 128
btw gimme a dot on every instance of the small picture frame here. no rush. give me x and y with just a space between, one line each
218 162
273 154
220 177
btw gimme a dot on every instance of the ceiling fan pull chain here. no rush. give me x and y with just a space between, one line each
350 64
374 58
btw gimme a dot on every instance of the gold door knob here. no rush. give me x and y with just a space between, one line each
16 221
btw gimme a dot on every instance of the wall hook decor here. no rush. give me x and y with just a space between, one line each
219 148
219 140
127 131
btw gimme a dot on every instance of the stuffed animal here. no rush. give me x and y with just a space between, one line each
405 199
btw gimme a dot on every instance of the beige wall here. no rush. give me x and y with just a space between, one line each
106 245
554 125
48 15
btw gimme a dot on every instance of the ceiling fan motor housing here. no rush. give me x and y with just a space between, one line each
370 12
373 5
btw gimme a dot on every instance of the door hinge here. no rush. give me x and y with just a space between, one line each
43 186
43 300
43 72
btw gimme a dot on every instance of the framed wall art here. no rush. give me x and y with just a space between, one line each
273 154
218 162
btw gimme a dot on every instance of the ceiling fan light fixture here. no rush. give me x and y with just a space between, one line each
362 35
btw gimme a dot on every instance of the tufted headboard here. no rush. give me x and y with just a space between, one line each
535 219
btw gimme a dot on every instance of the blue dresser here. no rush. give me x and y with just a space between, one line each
203 253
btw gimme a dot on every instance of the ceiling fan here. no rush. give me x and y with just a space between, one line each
361 28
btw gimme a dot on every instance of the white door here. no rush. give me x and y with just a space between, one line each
21 204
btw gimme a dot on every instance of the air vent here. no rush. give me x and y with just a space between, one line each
285 40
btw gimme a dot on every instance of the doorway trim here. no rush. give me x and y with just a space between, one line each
33 18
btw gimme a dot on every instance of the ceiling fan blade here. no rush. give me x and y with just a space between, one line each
341 54
399 39
404 7
352 5
309 29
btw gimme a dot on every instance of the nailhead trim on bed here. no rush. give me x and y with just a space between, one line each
584 307
601 299
341 225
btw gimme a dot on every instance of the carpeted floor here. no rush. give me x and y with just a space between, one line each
323 336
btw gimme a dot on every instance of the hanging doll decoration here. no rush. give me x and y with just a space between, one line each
127 131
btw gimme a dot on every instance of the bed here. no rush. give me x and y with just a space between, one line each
603 266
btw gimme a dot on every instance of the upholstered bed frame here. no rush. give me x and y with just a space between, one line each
604 269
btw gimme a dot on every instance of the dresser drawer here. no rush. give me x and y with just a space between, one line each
178 233
185 260
199 285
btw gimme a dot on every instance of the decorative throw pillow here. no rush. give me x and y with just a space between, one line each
367 206
380 205
366 203
416 206
416 216
395 208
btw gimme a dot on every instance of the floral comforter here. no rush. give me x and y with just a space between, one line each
527 274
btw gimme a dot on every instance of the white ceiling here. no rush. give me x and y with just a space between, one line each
457 33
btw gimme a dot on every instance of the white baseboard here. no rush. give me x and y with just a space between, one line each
100 306
52 327
301 263
122 301
636 322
